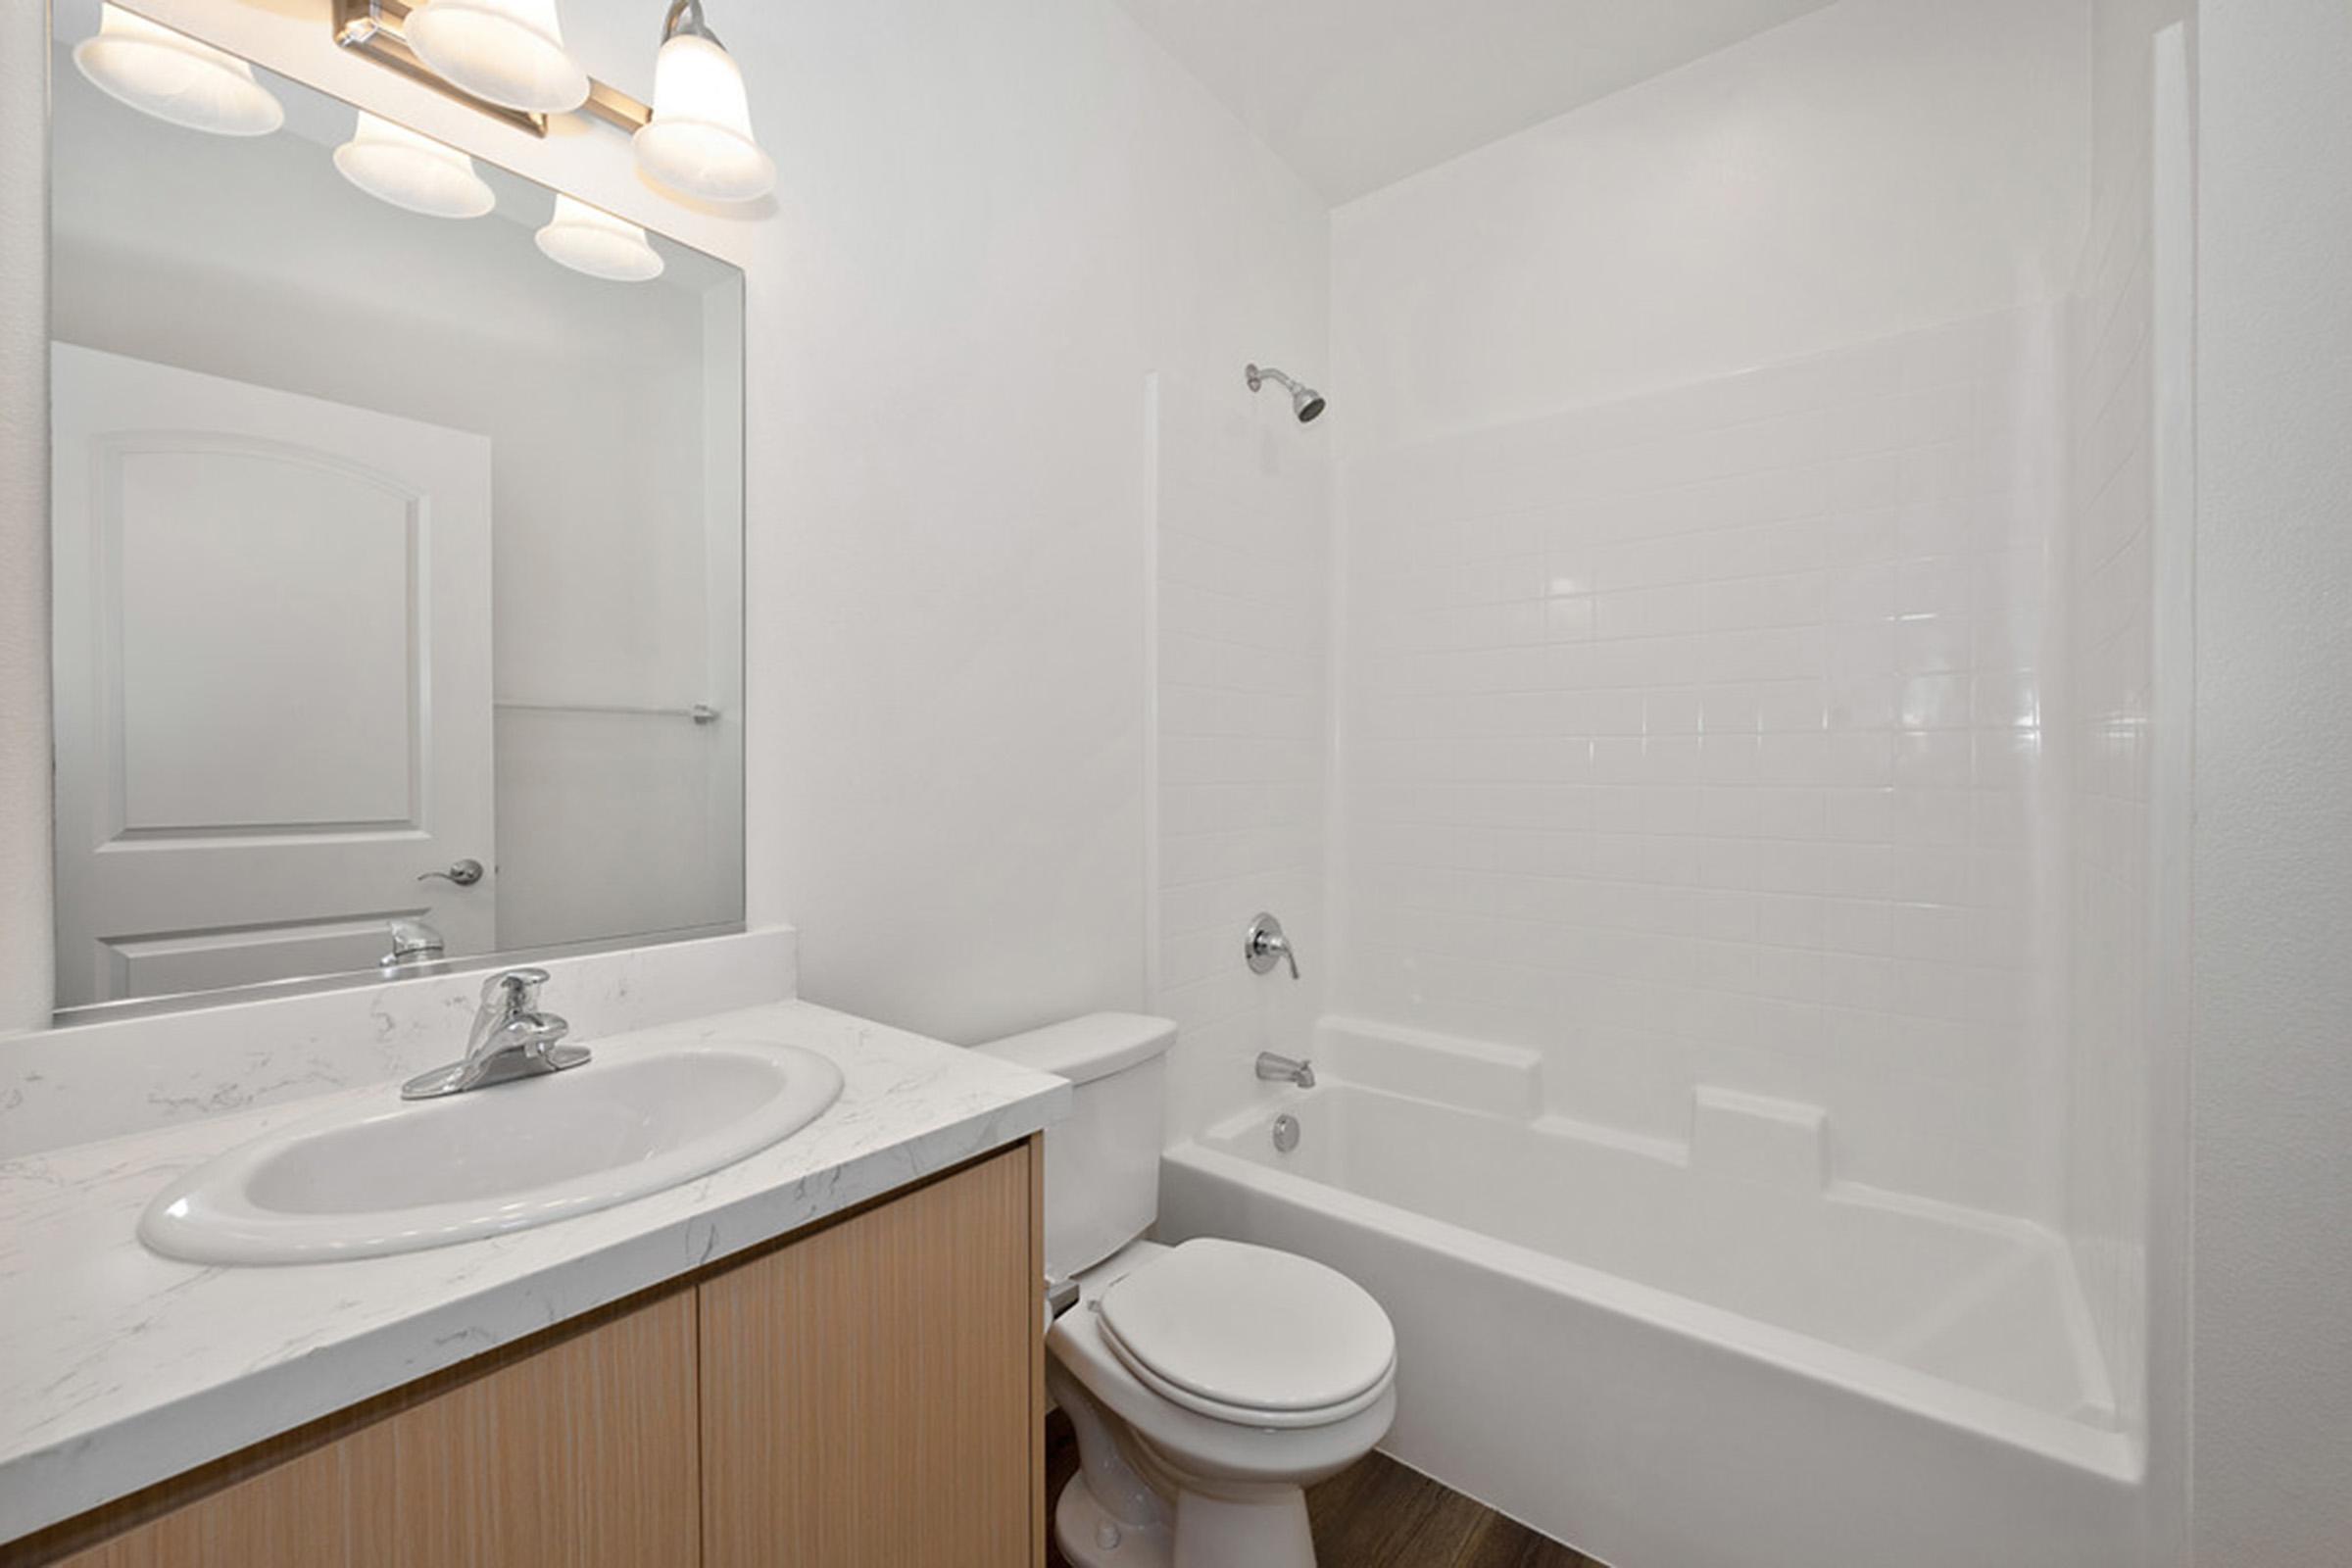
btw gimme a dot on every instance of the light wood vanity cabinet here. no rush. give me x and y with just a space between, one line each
866 1393
870 1394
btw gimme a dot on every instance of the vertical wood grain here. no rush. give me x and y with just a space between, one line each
288 1515
581 1457
581 1454
868 1391
1039 1501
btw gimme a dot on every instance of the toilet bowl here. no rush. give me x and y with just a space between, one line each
1172 1477
1209 1383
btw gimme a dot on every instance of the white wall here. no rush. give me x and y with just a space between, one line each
1243 581
1874 168
1702 466
2272 1060
991 220
998 217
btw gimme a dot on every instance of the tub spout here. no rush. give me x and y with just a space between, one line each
1276 1069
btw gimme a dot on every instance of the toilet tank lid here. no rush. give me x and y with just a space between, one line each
1083 1050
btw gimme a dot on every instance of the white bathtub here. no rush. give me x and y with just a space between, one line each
1679 1355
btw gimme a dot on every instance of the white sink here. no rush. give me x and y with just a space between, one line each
426 1173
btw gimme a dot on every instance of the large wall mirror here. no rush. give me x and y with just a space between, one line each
398 587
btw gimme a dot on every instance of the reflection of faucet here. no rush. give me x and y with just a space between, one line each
413 943
512 1038
1286 1070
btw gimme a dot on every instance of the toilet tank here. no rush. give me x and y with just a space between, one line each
1102 1162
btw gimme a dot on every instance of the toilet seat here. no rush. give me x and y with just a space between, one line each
1249 1334
1243 1415
1248 1449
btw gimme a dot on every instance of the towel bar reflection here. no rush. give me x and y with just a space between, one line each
700 713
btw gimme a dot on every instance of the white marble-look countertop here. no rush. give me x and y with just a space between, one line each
119 1368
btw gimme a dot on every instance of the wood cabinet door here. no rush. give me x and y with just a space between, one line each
869 1393
577 1454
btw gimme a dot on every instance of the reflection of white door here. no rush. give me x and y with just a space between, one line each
273 673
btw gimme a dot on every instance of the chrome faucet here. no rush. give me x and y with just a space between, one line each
414 945
1286 1069
512 1038
1264 946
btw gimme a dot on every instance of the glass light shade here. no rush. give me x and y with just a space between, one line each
176 77
397 164
508 51
699 140
588 239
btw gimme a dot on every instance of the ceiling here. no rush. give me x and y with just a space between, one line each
1355 94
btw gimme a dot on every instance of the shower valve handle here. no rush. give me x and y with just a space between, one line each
1267 946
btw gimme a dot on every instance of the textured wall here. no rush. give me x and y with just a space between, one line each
2272 1060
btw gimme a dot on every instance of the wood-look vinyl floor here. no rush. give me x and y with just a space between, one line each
1377 1515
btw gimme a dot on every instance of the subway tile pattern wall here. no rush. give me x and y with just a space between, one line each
1243 581
1699 738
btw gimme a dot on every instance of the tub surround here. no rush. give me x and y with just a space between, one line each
119 1368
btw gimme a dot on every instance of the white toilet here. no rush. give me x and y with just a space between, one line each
1208 1383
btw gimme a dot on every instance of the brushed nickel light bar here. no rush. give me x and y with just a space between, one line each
376 28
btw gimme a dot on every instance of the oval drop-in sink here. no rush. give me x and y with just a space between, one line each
427 1173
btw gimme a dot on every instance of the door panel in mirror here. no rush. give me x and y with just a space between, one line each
272 678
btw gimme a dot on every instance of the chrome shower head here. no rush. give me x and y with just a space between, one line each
1305 400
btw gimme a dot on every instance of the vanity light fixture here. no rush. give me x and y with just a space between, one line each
411 171
700 140
696 139
176 77
588 239
510 52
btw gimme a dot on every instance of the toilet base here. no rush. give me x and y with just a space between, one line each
1267 1529
1092 1539
1263 1527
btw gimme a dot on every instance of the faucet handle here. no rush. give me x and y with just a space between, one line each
515 990
1264 946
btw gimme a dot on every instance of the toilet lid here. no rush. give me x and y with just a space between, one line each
1251 1328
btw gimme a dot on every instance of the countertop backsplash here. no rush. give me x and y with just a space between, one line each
75 1085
